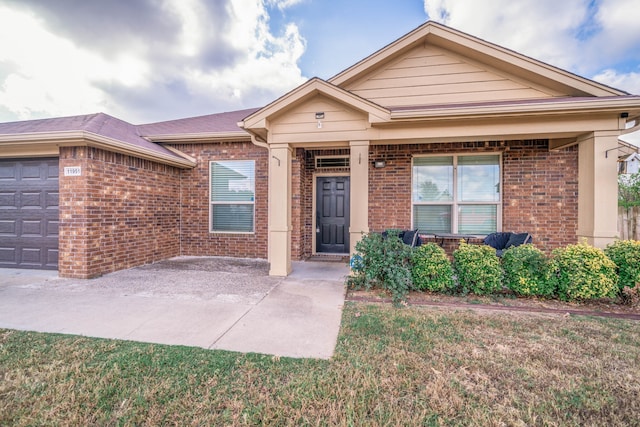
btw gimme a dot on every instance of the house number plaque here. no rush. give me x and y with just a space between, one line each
72 171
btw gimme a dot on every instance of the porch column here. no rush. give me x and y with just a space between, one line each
359 196
598 188
280 209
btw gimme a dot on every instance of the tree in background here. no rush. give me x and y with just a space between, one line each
629 201
629 190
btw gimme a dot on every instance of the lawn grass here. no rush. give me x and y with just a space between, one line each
410 366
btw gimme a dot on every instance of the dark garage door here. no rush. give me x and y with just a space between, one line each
29 213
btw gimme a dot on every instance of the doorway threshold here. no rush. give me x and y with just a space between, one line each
328 257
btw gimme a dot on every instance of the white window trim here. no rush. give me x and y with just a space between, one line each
212 203
454 203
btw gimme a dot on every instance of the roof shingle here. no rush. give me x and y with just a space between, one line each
211 123
99 123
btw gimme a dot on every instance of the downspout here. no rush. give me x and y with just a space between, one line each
259 142
256 140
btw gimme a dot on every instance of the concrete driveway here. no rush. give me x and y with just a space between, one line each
214 303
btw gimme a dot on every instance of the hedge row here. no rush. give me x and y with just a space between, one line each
575 272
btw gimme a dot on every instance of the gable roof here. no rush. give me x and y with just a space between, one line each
97 129
480 50
311 88
212 126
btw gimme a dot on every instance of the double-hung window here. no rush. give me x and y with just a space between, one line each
232 196
456 194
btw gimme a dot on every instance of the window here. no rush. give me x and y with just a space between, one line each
329 162
456 194
232 196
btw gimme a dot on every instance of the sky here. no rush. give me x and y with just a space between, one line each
145 61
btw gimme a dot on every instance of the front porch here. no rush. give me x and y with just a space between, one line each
540 188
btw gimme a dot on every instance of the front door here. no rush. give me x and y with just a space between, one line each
332 214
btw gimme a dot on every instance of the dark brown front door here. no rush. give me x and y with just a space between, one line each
332 214
29 213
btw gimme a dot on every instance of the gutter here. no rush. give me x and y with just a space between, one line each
186 138
90 139
256 139
515 109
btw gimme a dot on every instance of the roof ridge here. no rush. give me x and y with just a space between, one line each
100 119
198 117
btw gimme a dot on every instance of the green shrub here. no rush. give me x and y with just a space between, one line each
582 272
385 263
526 271
431 269
626 255
477 268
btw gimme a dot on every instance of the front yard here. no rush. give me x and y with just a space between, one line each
411 366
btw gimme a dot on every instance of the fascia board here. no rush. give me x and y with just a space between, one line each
199 137
449 38
84 138
582 106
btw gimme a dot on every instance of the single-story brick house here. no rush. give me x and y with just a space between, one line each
439 131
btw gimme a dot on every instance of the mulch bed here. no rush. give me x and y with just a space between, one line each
600 308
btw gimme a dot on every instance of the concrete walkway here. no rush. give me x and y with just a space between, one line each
214 303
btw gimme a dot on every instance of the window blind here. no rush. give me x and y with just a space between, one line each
232 195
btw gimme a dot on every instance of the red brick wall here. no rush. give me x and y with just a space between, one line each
196 238
540 188
390 187
122 212
540 193
298 193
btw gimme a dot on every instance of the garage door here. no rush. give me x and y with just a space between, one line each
29 213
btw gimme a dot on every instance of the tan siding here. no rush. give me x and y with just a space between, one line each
464 97
433 80
430 75
337 118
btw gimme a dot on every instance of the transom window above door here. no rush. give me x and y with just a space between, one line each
456 194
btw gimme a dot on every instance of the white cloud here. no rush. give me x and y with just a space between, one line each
577 35
542 29
270 63
619 21
51 76
283 4
191 15
217 59
629 82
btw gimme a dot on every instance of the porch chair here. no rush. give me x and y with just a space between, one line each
502 241
408 237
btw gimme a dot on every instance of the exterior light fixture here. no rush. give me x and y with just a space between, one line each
379 164
319 117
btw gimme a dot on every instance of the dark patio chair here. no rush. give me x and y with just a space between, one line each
502 241
408 237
